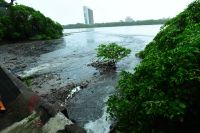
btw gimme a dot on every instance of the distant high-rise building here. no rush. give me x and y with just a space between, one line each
88 15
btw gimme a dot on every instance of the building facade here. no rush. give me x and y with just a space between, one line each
88 15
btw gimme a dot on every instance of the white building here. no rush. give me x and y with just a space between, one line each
88 15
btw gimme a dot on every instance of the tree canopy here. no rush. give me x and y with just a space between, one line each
1 1
19 22
112 52
162 95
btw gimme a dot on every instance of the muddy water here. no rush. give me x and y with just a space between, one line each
54 64
88 106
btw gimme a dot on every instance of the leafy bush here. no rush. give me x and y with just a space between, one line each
112 52
163 93
24 23
1 34
27 81
2 1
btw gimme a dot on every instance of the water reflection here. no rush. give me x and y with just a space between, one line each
91 37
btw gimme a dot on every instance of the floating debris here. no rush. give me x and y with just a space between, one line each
73 91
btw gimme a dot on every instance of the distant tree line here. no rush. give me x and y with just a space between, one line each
113 24
19 22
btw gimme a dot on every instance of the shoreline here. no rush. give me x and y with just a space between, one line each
111 26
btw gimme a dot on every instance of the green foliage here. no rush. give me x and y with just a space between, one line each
163 93
1 32
24 23
27 81
112 52
2 1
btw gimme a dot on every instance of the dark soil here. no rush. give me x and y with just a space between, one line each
103 67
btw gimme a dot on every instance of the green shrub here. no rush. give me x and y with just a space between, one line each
24 23
1 34
27 81
162 95
2 1
112 52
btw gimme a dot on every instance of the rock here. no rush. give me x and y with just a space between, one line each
46 111
64 111
95 73
84 84
14 58
103 67
113 127
23 66
53 90
72 129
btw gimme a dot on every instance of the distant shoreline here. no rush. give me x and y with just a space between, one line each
116 24
111 26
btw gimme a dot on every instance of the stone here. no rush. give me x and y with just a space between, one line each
74 128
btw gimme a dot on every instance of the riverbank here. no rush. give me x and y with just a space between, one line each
19 56
58 66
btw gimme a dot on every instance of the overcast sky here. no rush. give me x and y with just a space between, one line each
71 11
